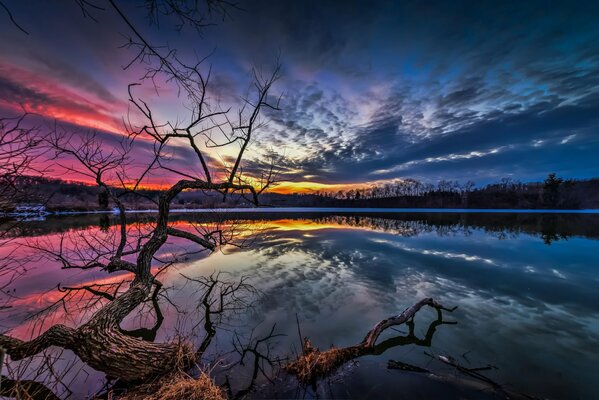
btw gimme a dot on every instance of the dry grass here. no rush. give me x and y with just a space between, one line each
176 387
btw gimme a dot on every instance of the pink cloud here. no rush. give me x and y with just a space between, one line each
56 100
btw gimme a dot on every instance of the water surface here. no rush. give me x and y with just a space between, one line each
525 286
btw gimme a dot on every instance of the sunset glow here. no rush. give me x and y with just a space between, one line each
411 114
212 199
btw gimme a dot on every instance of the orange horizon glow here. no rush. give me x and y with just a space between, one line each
308 187
284 187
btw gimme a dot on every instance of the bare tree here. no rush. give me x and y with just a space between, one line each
100 342
17 144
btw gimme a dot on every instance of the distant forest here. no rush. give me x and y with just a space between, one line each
553 193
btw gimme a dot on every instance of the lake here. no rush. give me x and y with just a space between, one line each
525 284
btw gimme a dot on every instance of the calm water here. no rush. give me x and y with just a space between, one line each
526 287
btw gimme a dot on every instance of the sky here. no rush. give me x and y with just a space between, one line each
371 91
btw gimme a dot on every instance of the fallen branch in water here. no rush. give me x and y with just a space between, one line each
477 376
473 372
407 314
475 379
393 364
314 364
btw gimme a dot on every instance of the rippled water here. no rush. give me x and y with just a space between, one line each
526 287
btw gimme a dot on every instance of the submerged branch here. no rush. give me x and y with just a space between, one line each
314 364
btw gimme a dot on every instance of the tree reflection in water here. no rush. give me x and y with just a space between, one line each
170 312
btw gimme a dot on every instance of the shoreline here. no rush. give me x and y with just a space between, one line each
317 210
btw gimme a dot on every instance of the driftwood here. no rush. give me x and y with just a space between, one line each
473 378
476 379
407 314
402 366
314 364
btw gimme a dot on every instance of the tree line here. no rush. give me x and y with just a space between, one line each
553 192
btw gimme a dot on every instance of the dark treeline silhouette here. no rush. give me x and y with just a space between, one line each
63 195
553 193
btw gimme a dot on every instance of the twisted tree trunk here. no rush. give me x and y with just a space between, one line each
100 342
102 345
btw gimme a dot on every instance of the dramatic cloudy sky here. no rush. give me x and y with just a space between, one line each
372 90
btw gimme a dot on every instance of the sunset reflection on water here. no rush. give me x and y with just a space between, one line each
526 306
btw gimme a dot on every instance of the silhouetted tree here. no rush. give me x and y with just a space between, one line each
551 189
17 153
103 199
